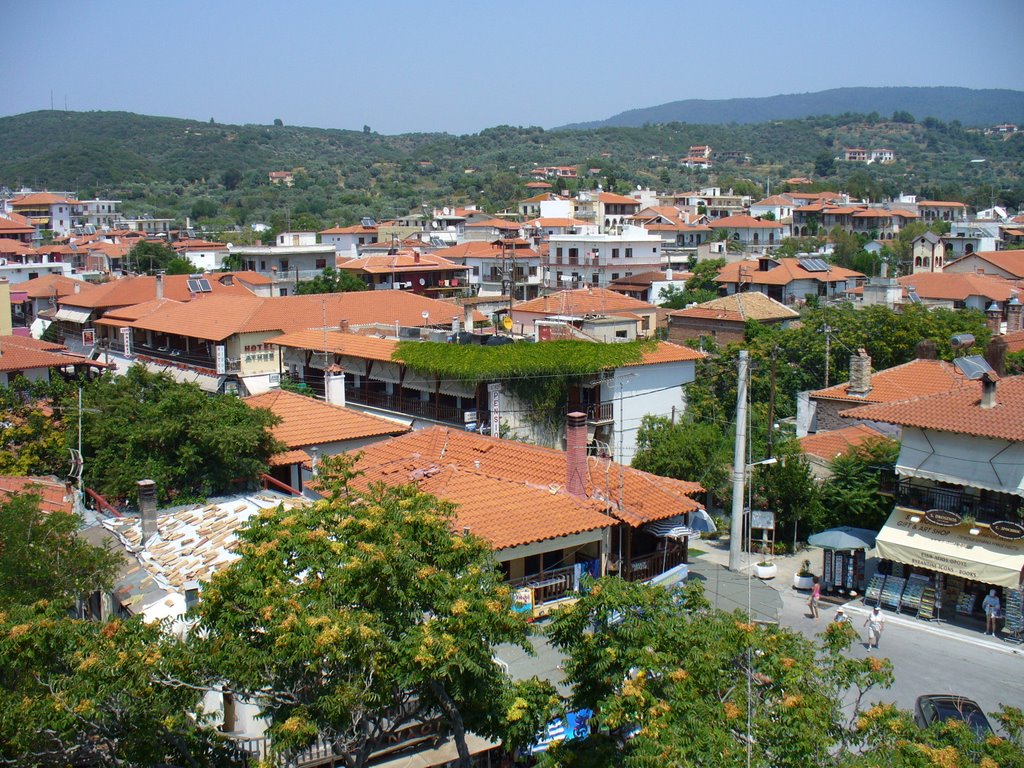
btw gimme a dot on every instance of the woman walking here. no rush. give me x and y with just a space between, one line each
815 597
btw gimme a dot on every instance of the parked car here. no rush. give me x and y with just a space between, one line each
935 708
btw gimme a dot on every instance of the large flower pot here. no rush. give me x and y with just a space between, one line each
766 571
802 582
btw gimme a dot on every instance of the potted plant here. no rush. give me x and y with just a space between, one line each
971 522
766 570
803 579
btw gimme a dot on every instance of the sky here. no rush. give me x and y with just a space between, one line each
461 67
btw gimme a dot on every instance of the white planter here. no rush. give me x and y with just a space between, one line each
766 571
802 582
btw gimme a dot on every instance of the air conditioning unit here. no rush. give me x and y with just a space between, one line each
444 283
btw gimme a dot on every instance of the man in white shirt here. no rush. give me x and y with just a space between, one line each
991 607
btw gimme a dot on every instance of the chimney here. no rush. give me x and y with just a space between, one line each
468 320
995 355
860 374
147 508
334 385
988 389
668 273
343 326
78 287
576 453
415 257
995 318
314 461
1014 310
926 349
159 285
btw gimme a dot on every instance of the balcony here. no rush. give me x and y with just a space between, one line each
175 356
410 406
996 506
647 566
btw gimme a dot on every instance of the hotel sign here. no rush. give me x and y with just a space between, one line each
943 518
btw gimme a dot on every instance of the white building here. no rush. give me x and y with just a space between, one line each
296 257
596 260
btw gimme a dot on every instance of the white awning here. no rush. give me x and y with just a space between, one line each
671 528
986 557
73 314
995 465
204 381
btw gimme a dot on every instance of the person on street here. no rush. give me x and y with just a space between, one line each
991 607
875 624
815 598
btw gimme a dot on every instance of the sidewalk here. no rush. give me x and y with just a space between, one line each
717 552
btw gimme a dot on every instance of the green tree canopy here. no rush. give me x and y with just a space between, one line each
193 445
354 616
147 257
694 451
43 558
332 281
852 496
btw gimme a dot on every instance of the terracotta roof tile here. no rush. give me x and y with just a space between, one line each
917 378
23 353
837 442
41 198
958 411
748 305
667 352
45 286
583 301
420 454
1014 341
610 198
786 272
405 261
1008 261
740 221
54 495
959 286
307 421
339 343
135 290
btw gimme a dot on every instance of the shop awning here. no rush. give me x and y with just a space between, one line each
986 557
676 528
73 314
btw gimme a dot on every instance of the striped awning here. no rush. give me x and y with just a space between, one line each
676 527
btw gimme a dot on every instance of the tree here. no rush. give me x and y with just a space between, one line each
149 258
332 280
278 122
44 559
699 452
852 495
670 681
86 693
824 164
231 178
180 265
204 208
357 615
193 445
32 442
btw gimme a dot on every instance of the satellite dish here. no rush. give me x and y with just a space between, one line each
230 246
424 314
638 188
445 210
423 281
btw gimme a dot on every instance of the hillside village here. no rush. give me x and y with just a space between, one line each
545 369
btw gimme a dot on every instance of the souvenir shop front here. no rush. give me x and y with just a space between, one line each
938 565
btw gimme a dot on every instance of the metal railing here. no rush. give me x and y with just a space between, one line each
925 497
429 409
649 566
549 585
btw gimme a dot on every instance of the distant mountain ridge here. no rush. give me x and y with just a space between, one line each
971 106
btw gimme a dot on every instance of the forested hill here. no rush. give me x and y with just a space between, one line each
217 173
970 106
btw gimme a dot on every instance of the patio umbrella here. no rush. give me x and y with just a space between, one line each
844 537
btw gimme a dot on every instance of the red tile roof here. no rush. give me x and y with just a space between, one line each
958 411
918 378
610 198
514 493
45 286
23 353
942 203
837 442
1008 261
1014 341
41 198
307 421
355 229
54 495
339 343
583 301
135 290
404 261
786 272
959 286
666 352
215 317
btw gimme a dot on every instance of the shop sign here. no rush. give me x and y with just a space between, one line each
1007 529
762 518
943 517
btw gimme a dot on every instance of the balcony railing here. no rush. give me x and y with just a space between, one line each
549 585
176 356
924 497
648 566
407 405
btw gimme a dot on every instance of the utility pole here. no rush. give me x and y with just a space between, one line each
828 350
739 466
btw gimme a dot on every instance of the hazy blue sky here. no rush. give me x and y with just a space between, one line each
464 66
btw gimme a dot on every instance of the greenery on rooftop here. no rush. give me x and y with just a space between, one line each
517 361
